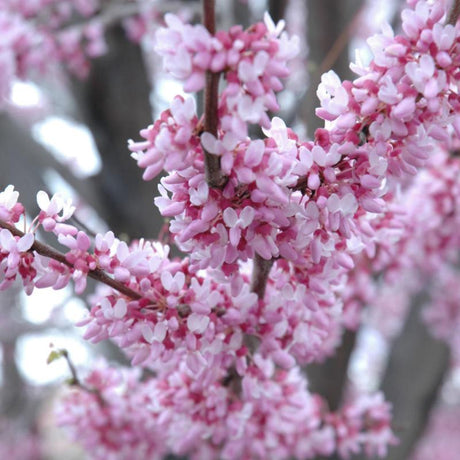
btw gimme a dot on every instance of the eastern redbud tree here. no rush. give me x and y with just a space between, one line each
286 240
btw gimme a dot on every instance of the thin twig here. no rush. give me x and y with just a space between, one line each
339 45
97 274
454 13
115 13
75 380
106 17
214 176
73 370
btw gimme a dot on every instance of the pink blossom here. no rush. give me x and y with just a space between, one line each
333 97
15 259
364 421
324 214
10 209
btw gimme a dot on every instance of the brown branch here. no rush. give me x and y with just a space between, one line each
75 380
73 370
214 176
260 273
97 274
209 15
454 13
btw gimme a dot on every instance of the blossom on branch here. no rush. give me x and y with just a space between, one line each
281 253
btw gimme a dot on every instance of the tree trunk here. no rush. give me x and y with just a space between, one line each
416 369
115 104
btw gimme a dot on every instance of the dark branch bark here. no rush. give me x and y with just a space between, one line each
209 15
416 369
329 378
260 272
75 380
454 13
214 175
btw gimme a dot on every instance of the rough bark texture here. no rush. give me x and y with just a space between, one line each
114 103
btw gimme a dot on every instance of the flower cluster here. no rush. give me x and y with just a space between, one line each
38 34
114 412
281 194
371 412
419 253
179 316
308 218
252 60
14 258
10 209
270 415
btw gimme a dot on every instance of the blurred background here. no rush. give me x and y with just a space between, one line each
64 127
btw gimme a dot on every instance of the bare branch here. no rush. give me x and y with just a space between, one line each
260 273
454 13
75 380
214 176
